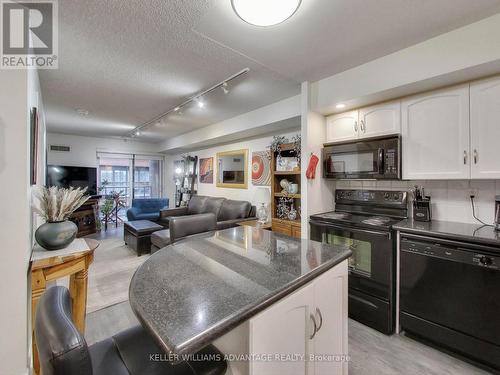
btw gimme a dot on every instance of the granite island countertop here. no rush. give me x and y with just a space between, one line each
193 292
472 233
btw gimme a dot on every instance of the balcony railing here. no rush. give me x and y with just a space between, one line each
140 191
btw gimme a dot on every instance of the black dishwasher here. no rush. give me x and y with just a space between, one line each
450 295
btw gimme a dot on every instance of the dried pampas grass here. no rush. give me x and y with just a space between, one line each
57 204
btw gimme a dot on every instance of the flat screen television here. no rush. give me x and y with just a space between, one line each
64 176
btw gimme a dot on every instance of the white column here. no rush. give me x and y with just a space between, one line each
317 193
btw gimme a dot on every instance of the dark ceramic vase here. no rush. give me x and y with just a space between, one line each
56 235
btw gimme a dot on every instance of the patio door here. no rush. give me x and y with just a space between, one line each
114 175
147 176
134 176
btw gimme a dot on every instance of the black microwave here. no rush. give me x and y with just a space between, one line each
371 158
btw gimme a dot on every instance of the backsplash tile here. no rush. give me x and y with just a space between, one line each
450 198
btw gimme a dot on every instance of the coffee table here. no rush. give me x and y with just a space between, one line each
137 234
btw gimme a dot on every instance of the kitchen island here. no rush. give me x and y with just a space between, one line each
272 303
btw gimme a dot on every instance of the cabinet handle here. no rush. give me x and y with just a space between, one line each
475 156
363 126
356 126
465 157
315 326
318 312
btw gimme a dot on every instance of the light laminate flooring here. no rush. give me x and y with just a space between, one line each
110 273
371 352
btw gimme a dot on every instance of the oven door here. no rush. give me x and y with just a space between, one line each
375 159
371 263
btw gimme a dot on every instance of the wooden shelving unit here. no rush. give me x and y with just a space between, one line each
287 195
292 173
285 226
188 182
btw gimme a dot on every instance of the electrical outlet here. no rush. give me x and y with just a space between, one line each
473 192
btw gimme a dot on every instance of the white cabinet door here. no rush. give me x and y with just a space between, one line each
435 132
342 127
330 341
485 128
283 329
382 119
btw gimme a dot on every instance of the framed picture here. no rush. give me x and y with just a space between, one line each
261 168
34 145
287 164
207 171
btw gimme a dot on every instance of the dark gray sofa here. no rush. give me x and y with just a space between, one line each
228 212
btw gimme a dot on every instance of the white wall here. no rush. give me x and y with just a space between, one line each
273 117
316 193
450 199
84 149
22 93
255 144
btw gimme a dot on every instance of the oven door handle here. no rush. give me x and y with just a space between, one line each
350 229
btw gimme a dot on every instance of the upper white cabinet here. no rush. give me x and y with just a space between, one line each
435 132
381 119
342 127
485 128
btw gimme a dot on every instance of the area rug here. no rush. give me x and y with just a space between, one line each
110 273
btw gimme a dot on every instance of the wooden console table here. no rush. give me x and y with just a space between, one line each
46 266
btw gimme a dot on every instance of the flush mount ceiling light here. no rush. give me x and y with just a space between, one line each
340 106
82 111
265 12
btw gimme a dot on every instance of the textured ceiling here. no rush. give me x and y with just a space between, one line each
325 37
126 61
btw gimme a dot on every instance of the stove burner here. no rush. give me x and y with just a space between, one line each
376 220
336 215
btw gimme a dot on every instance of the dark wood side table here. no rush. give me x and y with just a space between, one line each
256 224
52 265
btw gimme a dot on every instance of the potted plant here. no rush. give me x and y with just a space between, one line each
56 205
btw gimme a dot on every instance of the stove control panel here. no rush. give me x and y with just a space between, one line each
383 197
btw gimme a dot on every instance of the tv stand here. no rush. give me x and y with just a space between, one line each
85 217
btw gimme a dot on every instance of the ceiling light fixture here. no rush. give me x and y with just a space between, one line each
340 106
265 12
82 112
195 98
200 103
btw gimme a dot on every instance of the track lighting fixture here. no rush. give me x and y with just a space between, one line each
198 99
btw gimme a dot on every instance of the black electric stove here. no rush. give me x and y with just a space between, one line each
362 221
